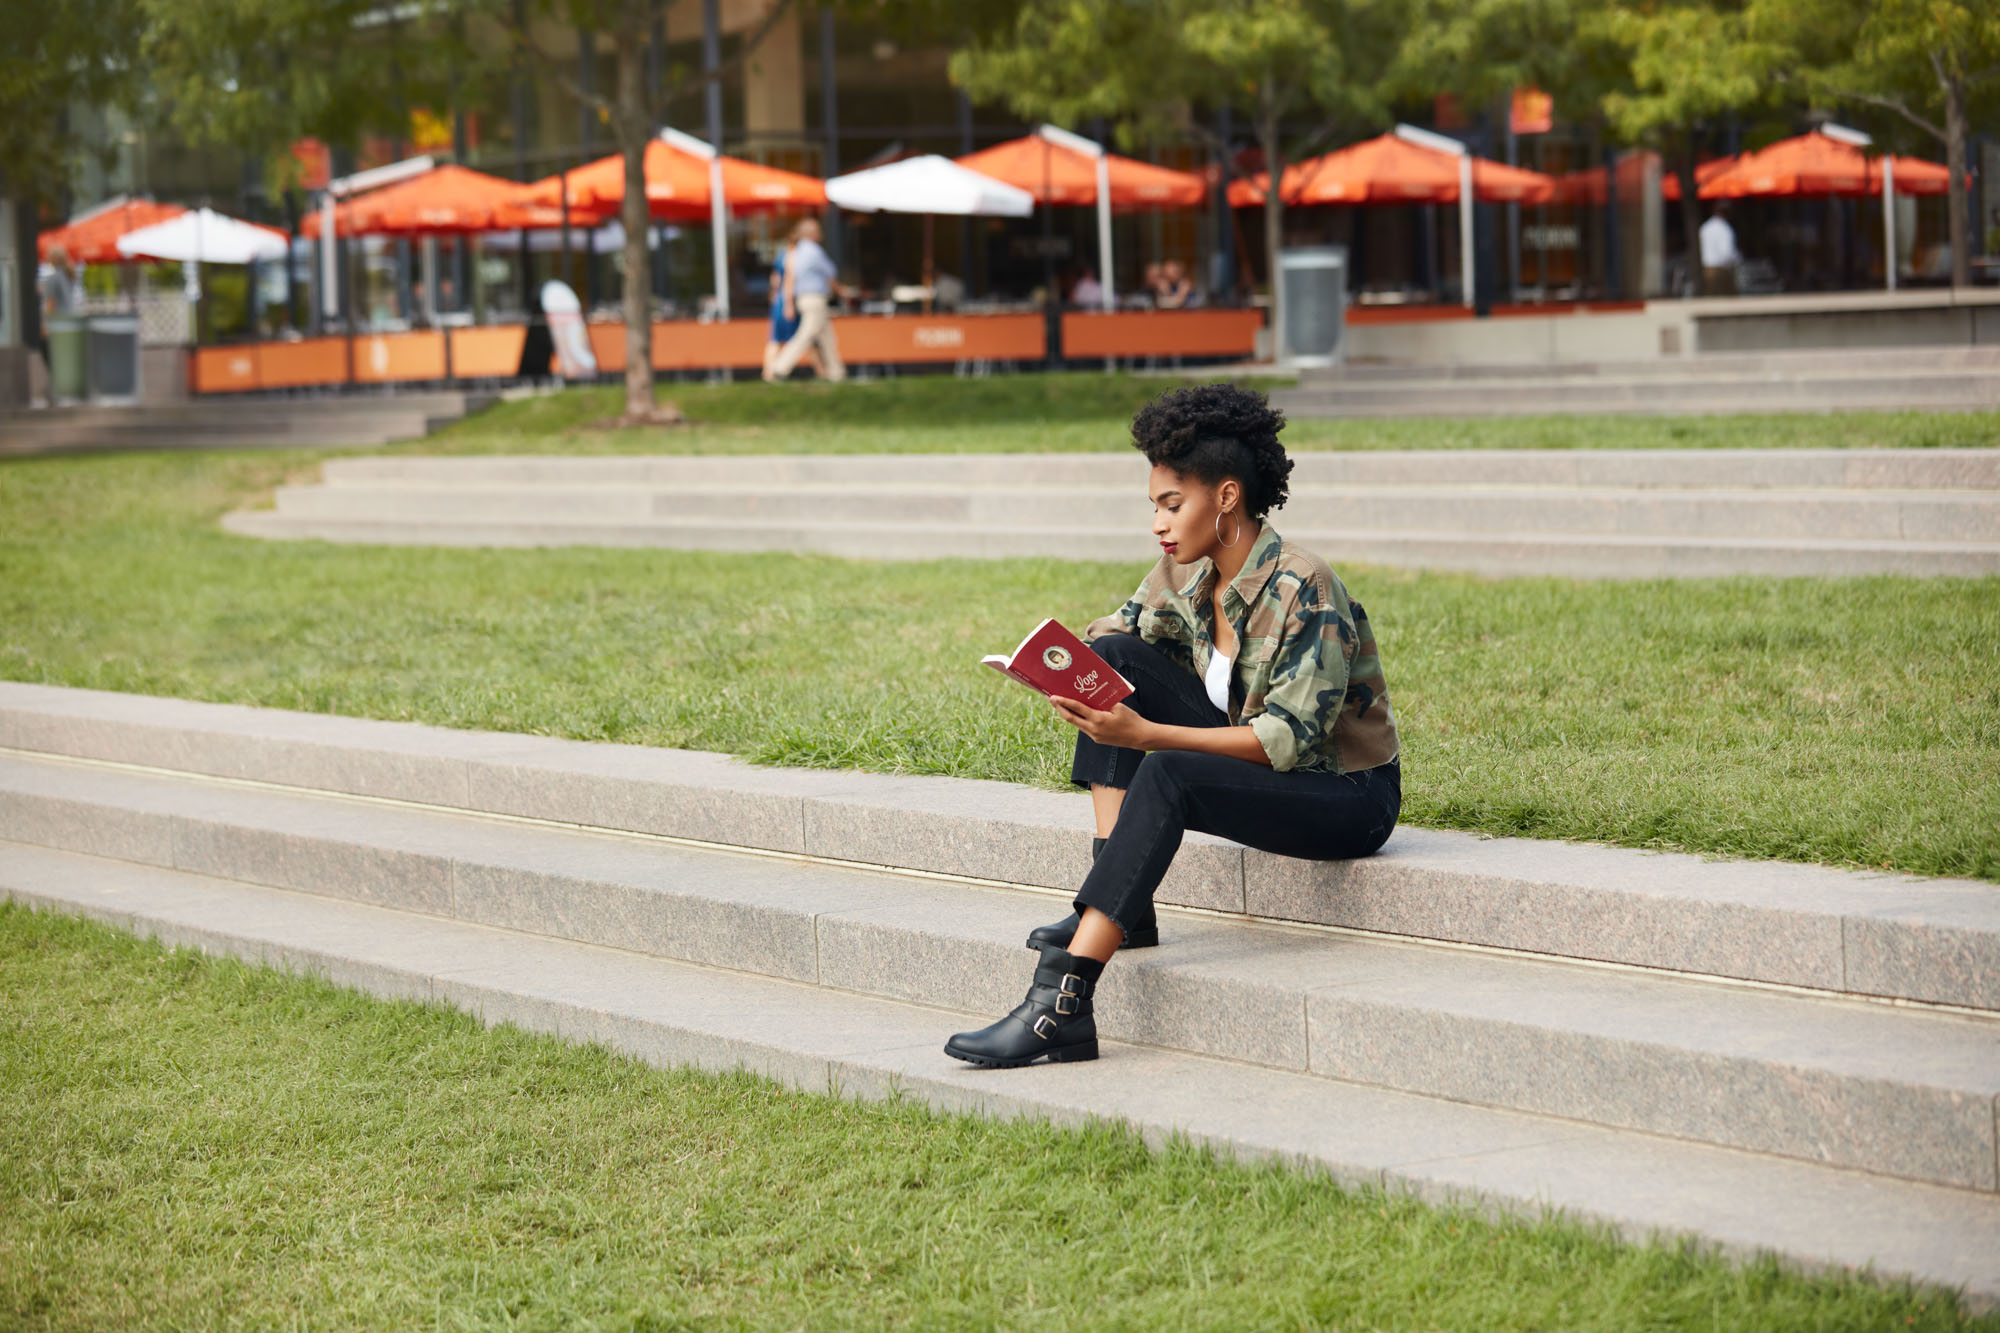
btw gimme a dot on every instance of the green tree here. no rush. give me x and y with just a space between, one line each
1934 64
633 114
1688 62
1301 71
257 75
53 56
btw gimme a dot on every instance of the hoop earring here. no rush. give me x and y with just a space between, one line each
1218 530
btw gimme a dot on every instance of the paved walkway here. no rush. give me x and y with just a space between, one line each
1769 1057
1581 513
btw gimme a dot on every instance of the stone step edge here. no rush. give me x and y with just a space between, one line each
1842 932
1908 1094
248 520
1529 1166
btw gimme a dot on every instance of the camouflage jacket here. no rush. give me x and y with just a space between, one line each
1306 679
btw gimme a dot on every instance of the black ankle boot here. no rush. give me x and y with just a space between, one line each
1054 1022
1145 933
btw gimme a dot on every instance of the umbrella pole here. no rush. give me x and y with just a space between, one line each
1889 221
1109 299
718 229
1465 238
930 266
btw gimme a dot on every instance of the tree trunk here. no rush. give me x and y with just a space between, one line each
635 131
1954 160
1274 212
1691 214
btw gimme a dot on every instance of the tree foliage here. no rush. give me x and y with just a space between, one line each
54 54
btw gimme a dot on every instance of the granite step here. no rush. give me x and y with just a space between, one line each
1936 515
1934 941
1708 397
1120 468
1747 1204
1899 1091
1546 555
1807 363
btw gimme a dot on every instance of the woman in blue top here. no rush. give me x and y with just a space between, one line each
783 328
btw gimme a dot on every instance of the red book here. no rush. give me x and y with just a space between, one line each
1054 662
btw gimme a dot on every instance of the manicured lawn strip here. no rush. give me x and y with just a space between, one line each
1853 721
1014 413
194 1143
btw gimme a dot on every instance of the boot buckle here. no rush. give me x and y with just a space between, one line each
1048 1032
1069 999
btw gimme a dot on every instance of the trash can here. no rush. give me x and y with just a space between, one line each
69 358
111 358
1315 290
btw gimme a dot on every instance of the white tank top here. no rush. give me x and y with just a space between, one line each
1217 681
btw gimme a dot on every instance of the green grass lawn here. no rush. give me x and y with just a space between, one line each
1852 721
1013 413
196 1144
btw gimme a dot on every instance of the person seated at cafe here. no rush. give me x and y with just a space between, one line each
1156 279
1087 291
1175 291
1719 255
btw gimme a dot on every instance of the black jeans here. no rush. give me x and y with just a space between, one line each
1315 816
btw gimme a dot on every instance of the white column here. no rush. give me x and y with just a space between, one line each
718 228
329 261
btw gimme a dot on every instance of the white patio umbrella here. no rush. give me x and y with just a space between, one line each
204 236
929 185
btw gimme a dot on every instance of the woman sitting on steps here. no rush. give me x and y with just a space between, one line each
1260 711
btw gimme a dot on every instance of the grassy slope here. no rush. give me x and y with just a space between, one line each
196 1144
939 414
1848 721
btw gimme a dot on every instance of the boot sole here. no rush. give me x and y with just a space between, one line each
1139 939
1083 1050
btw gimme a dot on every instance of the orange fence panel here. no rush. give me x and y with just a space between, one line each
383 358
1126 333
306 362
223 369
904 339
685 344
607 344
487 353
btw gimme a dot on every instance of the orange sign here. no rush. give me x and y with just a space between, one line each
1533 112
315 161
1161 333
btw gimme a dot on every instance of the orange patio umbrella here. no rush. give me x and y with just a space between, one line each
1910 175
449 200
1061 168
1391 169
1056 172
1810 164
677 184
93 237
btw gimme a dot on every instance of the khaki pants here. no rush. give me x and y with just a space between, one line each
1719 281
814 327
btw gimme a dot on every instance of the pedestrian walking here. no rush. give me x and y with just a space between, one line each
1719 255
782 326
810 284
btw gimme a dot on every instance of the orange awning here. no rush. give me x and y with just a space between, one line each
1056 174
677 186
447 200
93 238
1389 170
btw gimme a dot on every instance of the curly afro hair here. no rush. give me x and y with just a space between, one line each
1216 432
